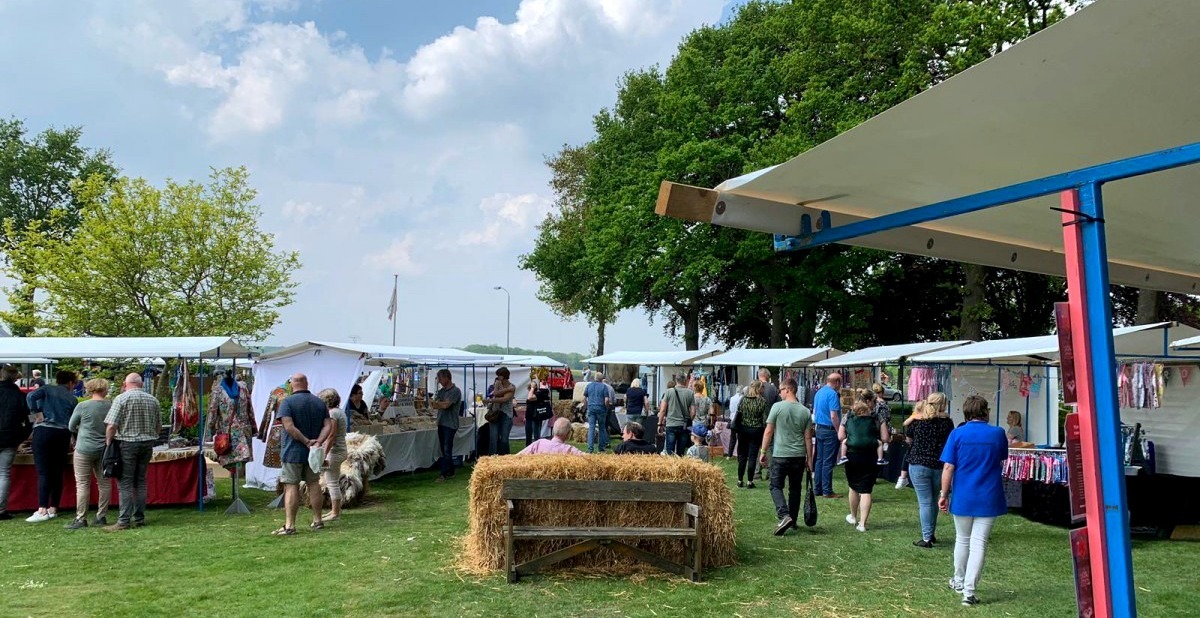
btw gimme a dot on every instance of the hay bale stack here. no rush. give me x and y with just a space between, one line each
483 548
579 432
564 408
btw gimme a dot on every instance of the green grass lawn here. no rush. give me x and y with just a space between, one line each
395 557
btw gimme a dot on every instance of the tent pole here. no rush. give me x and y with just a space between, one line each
999 391
200 432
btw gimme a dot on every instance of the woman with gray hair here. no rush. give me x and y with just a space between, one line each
335 453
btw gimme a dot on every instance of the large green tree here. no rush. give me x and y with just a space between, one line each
186 259
36 177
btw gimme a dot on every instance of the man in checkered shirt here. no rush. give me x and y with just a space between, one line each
134 421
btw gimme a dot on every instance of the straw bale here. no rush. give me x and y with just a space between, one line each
579 432
483 548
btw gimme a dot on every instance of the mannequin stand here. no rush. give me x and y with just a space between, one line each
238 507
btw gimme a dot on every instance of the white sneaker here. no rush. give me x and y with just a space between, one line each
901 482
956 585
38 518
860 528
850 520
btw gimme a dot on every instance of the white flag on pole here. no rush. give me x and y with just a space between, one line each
392 305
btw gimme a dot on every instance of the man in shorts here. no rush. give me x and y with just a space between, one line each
306 424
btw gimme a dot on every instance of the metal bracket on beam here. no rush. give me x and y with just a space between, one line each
785 242
1079 217
788 243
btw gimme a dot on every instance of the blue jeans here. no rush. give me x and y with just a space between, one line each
597 430
927 482
677 441
498 435
827 452
446 446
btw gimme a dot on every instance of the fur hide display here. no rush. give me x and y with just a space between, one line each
365 459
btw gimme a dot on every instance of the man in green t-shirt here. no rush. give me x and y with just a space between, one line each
789 433
675 412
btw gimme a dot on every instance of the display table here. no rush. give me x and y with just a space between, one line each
415 450
171 479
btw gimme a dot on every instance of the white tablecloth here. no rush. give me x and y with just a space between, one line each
414 450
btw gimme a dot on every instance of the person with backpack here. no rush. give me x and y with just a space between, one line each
14 429
861 435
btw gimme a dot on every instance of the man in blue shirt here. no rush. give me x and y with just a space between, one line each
306 424
596 394
827 409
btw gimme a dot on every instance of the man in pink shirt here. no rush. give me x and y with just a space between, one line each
556 445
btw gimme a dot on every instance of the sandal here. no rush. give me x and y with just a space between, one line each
284 532
317 525
328 518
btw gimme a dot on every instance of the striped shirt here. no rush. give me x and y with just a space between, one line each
137 416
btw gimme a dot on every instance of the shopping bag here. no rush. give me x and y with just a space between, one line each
810 502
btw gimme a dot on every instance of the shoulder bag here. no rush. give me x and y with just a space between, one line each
110 463
810 502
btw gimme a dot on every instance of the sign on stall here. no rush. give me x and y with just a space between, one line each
1081 555
1075 468
1066 350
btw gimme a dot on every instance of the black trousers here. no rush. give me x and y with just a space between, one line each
790 470
749 441
50 445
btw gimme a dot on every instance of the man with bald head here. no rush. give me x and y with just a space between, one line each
306 424
827 412
134 421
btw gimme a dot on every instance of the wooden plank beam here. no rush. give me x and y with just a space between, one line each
686 202
619 491
565 532
542 562
649 558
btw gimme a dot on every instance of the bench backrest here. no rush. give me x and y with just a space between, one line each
617 491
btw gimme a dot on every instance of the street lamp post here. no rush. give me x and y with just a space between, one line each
507 319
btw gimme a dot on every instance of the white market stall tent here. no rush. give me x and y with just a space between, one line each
662 364
121 347
339 366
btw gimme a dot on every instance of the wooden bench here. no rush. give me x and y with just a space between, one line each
515 490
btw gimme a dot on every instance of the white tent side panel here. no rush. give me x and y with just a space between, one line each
1001 386
1174 427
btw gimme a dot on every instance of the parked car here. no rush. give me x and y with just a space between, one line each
891 394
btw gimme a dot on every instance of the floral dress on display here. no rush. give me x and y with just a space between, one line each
229 409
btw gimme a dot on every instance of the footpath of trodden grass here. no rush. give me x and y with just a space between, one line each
395 557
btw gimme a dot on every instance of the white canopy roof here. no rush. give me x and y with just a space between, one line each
1191 343
28 361
393 355
1117 79
1131 341
770 357
120 347
677 358
887 354
530 361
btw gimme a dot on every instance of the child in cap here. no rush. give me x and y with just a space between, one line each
698 450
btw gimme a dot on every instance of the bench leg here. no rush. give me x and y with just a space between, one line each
509 567
697 557
542 562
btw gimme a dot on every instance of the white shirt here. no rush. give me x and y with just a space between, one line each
733 406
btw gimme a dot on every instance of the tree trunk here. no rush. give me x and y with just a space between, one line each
778 322
691 326
1149 307
600 326
974 302
803 332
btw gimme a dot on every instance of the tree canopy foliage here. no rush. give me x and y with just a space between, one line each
36 178
775 80
182 260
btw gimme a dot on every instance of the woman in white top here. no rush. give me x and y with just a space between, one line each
335 453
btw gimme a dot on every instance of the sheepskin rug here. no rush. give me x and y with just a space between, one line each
365 459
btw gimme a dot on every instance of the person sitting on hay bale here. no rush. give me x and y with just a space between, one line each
634 444
555 445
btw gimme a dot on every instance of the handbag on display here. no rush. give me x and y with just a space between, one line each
222 441
810 502
271 459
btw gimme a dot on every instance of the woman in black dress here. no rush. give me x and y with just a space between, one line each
861 435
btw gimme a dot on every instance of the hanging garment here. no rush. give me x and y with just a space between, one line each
1048 467
229 410
185 412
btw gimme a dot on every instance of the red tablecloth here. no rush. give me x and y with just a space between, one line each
167 482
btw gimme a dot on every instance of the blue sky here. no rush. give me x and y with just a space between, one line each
384 137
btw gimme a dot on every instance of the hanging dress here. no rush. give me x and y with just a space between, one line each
229 409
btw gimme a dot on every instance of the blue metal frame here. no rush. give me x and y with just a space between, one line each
1108 418
1106 172
1098 320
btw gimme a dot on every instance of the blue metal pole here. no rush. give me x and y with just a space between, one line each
999 391
1108 419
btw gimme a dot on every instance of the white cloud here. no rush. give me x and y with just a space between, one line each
397 258
552 45
508 218
300 212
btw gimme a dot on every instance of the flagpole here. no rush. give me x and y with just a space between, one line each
395 306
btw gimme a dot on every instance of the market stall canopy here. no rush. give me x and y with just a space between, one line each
884 354
121 347
677 358
770 357
1189 344
1115 80
530 361
28 361
392 355
1148 340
